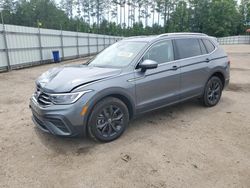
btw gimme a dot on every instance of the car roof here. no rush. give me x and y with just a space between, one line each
165 35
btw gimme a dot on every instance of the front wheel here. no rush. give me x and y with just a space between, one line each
213 91
108 120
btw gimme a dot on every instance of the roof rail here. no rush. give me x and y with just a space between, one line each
136 37
184 33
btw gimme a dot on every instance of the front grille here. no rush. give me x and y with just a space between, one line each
42 98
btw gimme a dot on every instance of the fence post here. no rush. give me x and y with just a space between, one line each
104 41
88 45
77 43
97 43
109 40
62 46
40 45
6 46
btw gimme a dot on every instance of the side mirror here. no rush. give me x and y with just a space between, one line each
148 64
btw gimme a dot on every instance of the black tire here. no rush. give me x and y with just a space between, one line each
108 120
213 91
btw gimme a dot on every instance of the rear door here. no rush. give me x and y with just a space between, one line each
192 58
160 86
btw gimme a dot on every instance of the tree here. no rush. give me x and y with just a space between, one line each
223 18
244 11
153 10
68 6
86 9
179 21
9 9
214 17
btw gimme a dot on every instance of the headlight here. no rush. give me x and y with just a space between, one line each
67 98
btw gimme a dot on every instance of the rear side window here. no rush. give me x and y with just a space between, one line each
209 45
161 52
187 48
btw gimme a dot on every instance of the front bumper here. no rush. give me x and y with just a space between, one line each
226 83
61 120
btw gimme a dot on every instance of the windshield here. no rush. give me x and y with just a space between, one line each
118 55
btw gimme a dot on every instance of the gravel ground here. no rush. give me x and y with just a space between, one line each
186 145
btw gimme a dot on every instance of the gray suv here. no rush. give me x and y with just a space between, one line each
131 77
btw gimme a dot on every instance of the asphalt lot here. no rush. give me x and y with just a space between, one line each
186 145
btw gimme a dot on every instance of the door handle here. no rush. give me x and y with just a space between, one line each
174 67
207 60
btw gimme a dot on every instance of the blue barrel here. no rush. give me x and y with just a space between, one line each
56 56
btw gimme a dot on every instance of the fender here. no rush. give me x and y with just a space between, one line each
217 70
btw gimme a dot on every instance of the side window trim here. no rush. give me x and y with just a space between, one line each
176 53
202 44
202 40
210 43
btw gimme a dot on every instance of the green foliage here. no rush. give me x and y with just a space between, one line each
131 17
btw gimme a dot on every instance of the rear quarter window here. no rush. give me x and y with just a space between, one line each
187 48
203 48
209 45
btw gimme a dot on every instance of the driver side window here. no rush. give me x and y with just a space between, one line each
161 52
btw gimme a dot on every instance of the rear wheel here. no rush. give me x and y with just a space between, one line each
108 120
213 91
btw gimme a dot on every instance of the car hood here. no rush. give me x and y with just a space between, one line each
65 79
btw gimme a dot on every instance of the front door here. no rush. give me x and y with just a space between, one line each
160 86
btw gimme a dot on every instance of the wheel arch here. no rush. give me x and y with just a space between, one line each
220 75
119 94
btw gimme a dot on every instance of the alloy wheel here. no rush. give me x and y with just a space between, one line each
214 91
110 121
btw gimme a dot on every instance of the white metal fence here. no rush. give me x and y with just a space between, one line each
241 39
25 46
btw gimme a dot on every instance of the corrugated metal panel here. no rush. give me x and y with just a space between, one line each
47 53
70 52
3 57
70 41
83 51
83 41
51 41
24 56
22 41
27 45
242 39
3 62
93 49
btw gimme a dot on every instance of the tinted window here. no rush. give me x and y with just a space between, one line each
203 48
188 48
210 47
161 52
